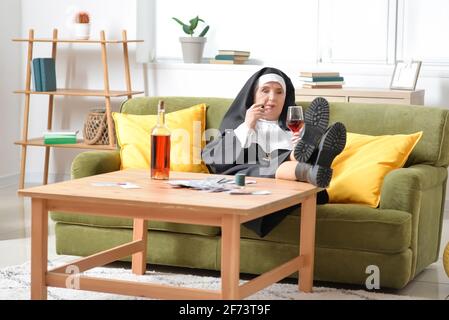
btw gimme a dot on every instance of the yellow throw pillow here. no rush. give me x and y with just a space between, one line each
186 126
360 169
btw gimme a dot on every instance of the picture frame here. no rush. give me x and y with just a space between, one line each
405 75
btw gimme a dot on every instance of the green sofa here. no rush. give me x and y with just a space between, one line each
401 236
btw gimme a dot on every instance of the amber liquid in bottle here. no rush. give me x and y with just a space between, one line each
160 147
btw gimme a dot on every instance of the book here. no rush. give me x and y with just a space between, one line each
230 57
37 74
60 140
60 137
61 133
319 74
325 83
215 61
309 86
48 74
234 53
319 79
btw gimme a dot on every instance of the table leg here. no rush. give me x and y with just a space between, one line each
139 259
230 257
307 243
39 249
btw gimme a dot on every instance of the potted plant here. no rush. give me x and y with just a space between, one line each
82 25
192 47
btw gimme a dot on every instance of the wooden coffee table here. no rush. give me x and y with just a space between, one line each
159 201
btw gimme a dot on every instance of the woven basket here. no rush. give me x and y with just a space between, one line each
96 127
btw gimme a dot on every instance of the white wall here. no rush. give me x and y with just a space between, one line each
10 79
77 66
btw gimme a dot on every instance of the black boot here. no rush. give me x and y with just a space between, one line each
314 174
316 119
320 172
331 145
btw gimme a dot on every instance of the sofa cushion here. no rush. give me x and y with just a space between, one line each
360 169
187 128
112 222
168 248
348 226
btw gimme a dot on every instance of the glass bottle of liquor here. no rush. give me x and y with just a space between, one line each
160 147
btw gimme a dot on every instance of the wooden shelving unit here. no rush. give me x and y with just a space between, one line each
105 92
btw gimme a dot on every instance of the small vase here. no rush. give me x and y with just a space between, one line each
192 49
82 31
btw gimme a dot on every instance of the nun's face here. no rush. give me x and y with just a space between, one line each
272 96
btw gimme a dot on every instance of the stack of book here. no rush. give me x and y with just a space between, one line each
322 80
60 137
231 57
44 74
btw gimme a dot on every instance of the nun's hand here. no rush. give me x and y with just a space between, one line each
296 136
254 113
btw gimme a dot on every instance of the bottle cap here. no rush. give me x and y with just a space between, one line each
240 179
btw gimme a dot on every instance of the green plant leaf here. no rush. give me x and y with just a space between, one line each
190 29
180 22
187 29
203 33
194 23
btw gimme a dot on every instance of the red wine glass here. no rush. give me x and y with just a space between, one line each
295 118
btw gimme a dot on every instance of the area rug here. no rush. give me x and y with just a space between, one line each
15 285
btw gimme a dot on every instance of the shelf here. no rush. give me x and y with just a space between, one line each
361 91
74 41
82 92
39 142
103 93
178 64
362 95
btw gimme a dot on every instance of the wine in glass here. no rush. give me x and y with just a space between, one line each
295 118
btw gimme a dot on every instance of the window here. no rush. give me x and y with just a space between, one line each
370 32
357 31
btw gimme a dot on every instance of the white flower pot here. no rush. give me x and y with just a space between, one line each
82 31
192 49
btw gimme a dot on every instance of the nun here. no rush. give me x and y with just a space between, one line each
254 140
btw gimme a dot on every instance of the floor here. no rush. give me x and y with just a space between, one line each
15 219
